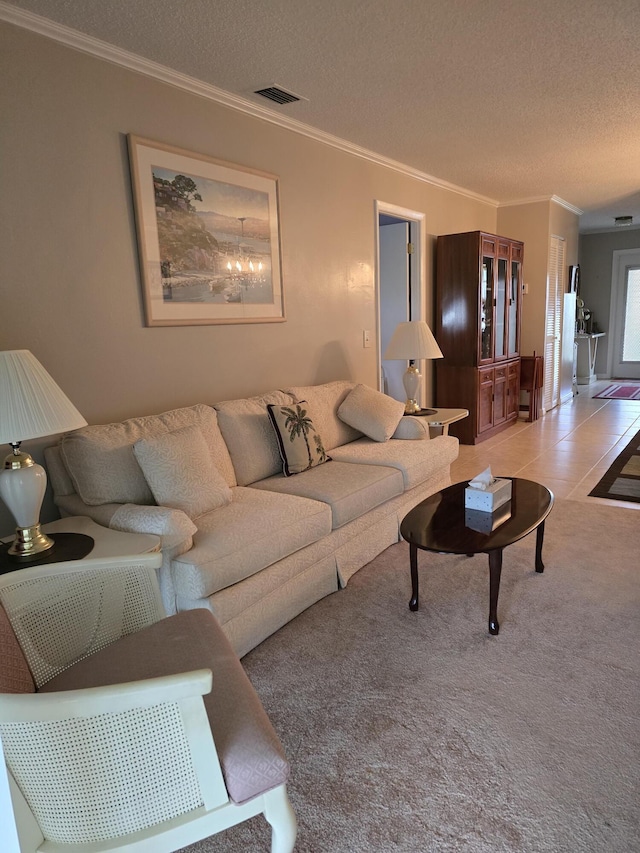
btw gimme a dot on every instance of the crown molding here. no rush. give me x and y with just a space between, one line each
554 198
103 50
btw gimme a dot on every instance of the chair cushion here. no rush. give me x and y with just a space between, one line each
180 473
376 415
299 442
15 675
251 756
102 465
350 490
254 531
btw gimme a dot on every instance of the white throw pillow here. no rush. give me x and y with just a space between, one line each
180 472
376 415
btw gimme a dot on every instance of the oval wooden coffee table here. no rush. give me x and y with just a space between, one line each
438 524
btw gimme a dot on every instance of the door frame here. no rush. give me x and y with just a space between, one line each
620 262
418 270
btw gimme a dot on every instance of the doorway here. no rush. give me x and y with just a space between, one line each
553 329
400 285
624 344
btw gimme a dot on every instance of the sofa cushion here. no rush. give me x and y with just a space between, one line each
255 530
102 465
178 468
350 490
417 460
15 675
299 443
325 401
376 415
250 437
251 756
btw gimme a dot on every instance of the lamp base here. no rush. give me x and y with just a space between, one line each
30 542
66 546
422 412
411 381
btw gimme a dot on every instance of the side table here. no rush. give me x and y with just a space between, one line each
106 542
439 420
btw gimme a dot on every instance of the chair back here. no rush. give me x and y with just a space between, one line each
86 605
15 675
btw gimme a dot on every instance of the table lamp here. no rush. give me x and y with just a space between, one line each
412 340
31 406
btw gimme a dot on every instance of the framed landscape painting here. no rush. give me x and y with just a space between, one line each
209 238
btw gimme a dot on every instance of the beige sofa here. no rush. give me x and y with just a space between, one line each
273 545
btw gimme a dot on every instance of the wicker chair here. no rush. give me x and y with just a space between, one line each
112 735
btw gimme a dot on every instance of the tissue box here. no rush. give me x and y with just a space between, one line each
487 522
488 500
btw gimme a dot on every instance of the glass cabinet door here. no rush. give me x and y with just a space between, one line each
514 294
486 310
501 310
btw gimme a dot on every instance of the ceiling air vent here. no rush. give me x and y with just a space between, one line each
623 220
277 94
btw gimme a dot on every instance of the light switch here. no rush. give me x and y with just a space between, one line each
366 338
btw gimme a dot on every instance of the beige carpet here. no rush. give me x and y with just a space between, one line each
420 732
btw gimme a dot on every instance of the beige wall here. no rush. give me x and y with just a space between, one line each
596 267
530 223
70 280
536 223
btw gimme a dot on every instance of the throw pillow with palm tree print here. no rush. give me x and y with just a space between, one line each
300 445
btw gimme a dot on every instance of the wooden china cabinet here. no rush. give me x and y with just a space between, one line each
478 307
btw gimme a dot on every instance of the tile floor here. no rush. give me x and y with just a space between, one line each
569 449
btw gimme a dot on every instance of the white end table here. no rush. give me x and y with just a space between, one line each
107 543
440 420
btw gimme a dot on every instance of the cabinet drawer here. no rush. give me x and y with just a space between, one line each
501 373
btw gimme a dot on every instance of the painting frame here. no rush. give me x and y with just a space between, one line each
203 266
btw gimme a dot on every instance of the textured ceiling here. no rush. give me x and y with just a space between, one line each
511 99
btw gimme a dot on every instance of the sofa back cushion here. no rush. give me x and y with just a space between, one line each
250 437
325 401
15 675
103 467
180 473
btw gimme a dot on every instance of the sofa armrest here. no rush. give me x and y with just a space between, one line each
175 530
172 525
412 429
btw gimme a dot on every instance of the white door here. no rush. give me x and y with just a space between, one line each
626 316
394 300
553 337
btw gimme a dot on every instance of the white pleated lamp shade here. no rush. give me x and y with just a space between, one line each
412 340
32 405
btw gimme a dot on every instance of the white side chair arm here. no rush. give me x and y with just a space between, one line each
124 761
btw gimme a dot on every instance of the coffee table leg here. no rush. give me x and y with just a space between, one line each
495 570
413 557
539 541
